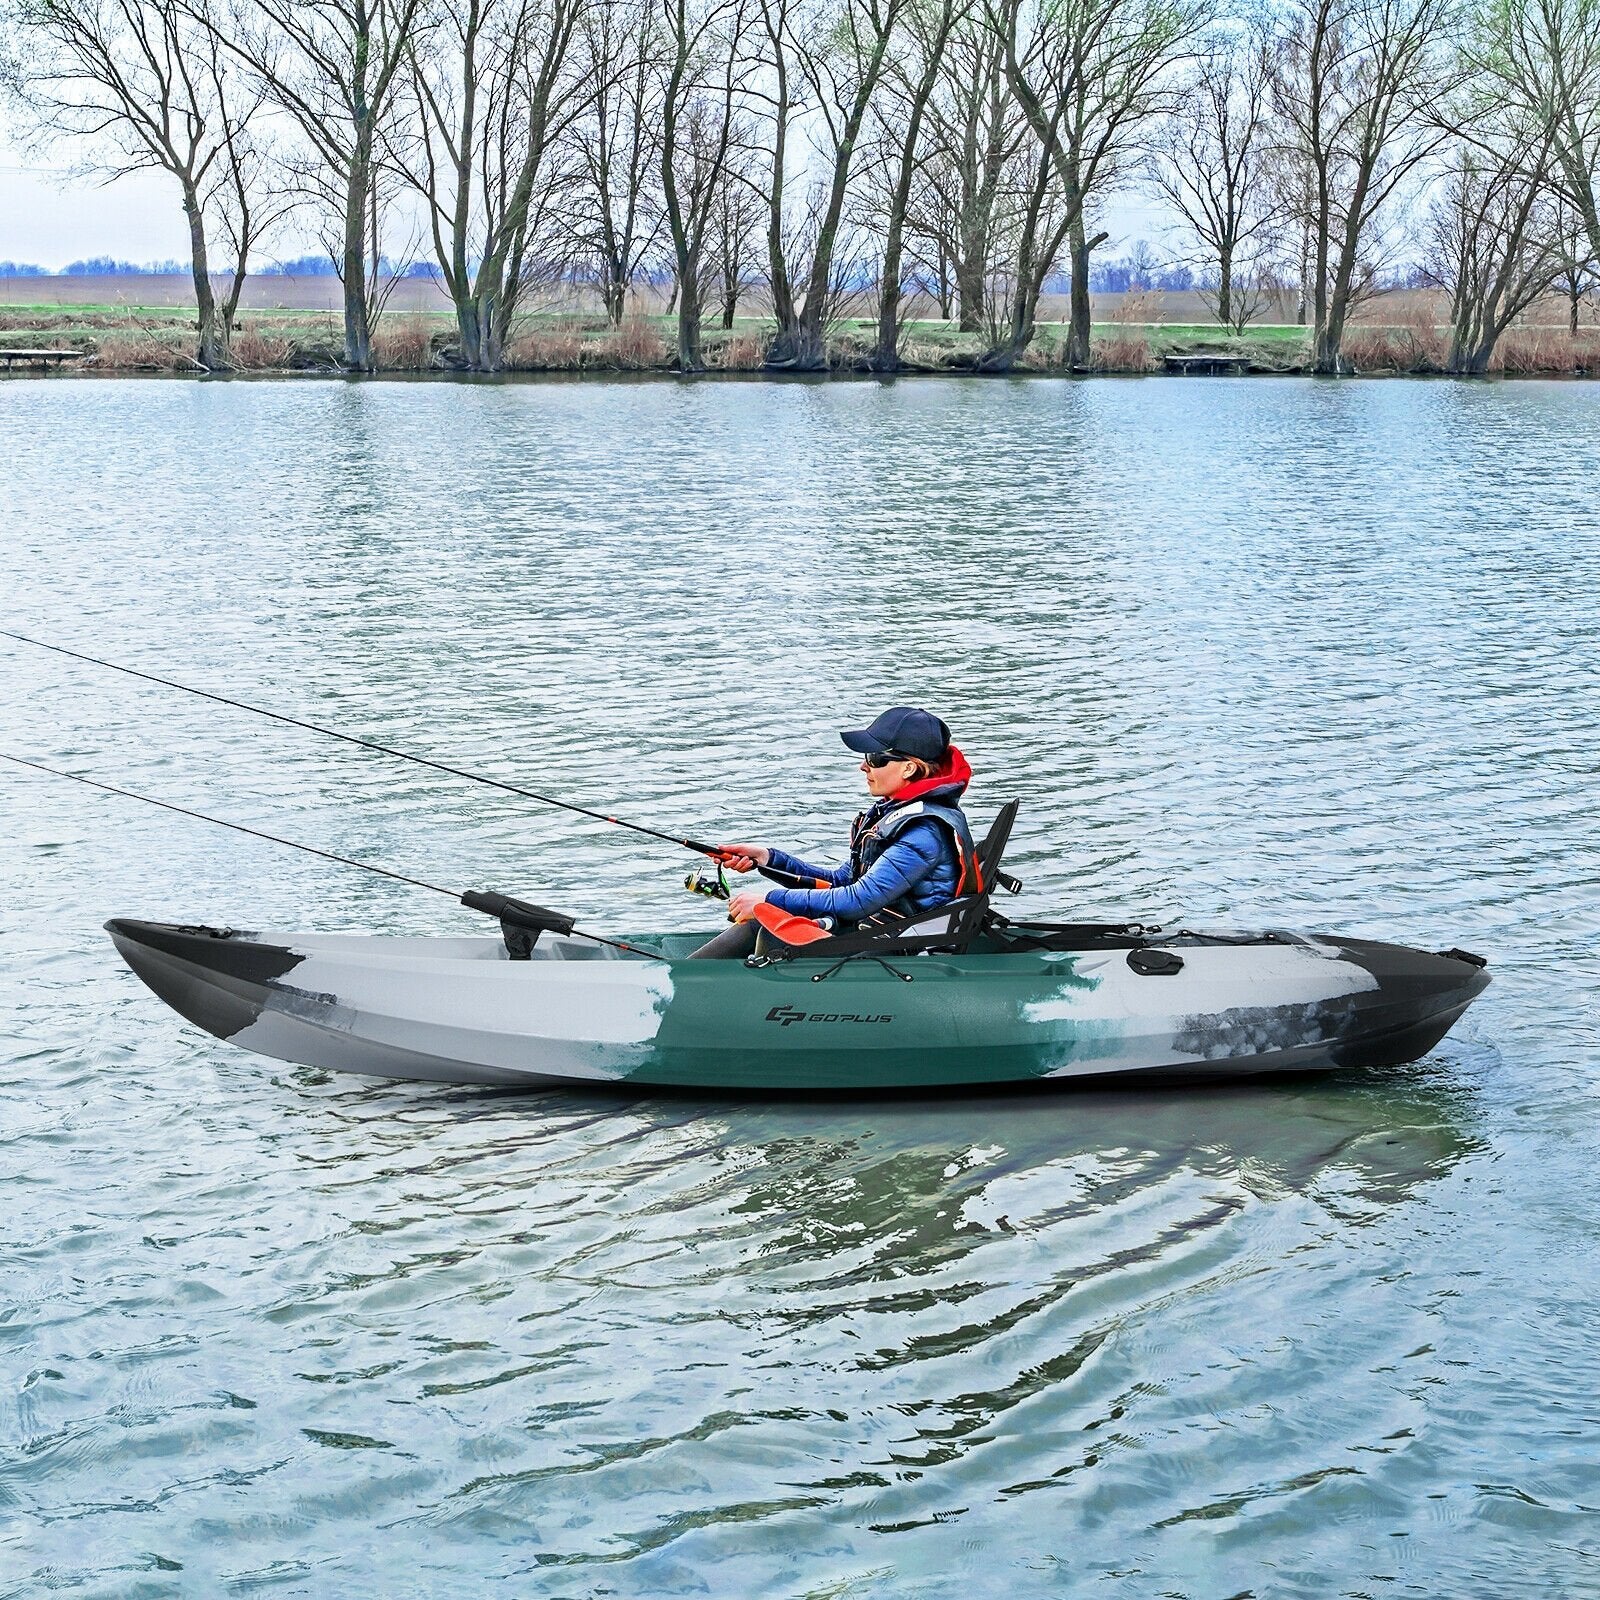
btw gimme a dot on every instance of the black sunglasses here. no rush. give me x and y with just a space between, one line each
882 758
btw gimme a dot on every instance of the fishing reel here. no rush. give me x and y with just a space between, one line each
701 882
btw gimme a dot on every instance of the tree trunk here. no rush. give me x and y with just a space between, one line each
1225 289
613 290
1080 334
1080 327
357 312
689 356
213 351
970 295
887 355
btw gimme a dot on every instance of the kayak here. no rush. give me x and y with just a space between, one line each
1020 1003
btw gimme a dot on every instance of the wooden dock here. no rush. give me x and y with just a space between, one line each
39 358
1207 365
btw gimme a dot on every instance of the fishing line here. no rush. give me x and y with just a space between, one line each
477 900
365 744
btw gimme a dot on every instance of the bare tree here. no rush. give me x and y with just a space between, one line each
700 113
1543 57
1495 244
1354 84
734 241
497 88
333 67
927 34
1213 169
970 179
1578 270
1091 76
824 58
619 141
1043 224
146 86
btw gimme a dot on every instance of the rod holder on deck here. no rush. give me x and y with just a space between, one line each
519 913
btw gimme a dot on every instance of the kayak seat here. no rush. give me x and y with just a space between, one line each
961 920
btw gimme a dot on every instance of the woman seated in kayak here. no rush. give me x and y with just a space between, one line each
911 851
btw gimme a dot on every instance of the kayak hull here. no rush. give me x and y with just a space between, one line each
457 1010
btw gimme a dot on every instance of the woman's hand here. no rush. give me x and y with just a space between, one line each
743 905
742 857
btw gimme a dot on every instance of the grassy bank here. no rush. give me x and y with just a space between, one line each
122 340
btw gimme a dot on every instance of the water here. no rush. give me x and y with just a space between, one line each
1271 653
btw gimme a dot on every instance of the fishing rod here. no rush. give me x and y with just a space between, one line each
702 848
519 913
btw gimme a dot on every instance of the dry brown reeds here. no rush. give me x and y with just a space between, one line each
254 349
402 344
1548 352
1415 343
143 350
740 352
1122 352
555 349
1128 349
635 347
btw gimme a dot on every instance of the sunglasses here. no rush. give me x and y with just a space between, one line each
882 758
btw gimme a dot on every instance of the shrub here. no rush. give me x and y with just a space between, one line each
142 350
547 350
1122 352
636 345
256 350
740 352
402 344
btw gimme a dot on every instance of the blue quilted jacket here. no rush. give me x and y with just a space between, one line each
920 866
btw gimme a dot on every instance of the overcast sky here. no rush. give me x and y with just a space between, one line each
48 217
48 220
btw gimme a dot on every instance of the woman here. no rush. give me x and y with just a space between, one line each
910 852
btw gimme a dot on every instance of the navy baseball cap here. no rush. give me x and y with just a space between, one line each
906 730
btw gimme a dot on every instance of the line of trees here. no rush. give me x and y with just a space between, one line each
821 153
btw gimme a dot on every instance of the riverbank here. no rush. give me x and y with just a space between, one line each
87 340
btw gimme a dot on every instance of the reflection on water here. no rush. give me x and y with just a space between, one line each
1298 654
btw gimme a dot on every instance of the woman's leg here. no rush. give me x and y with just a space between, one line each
733 943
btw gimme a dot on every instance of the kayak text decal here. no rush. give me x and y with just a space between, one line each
784 1015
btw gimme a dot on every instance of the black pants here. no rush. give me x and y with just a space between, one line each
734 943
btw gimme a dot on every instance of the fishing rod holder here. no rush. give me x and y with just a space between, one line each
521 922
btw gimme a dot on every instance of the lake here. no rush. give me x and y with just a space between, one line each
1296 654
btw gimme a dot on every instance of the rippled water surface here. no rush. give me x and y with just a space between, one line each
1262 653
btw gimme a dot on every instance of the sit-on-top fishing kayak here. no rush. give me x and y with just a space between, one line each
1020 1002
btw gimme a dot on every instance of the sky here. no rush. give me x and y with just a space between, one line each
49 217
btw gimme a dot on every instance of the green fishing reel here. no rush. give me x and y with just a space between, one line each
701 882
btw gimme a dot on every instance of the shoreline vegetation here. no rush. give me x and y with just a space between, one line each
846 166
1410 337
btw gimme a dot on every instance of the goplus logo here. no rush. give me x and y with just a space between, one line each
784 1015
